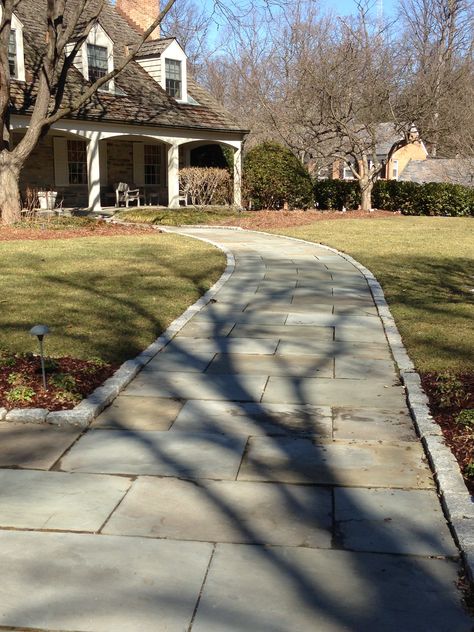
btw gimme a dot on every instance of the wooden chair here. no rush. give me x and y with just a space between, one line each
123 193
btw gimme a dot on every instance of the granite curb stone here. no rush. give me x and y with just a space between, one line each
449 480
88 409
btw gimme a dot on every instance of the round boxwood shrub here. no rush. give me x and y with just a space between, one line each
273 176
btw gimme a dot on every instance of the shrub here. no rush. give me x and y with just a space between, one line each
20 394
450 390
409 198
205 185
466 418
63 381
273 176
334 194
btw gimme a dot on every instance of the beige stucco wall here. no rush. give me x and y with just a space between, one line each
413 151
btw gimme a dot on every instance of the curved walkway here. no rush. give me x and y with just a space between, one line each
261 474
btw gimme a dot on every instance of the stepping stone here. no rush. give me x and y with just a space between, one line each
334 320
360 333
392 521
242 388
179 361
263 346
226 511
369 464
365 368
253 419
373 424
187 455
282 332
309 366
261 317
309 346
34 446
265 589
53 500
139 413
99 583
334 392
206 329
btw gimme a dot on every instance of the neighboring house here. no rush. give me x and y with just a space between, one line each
387 137
140 128
452 170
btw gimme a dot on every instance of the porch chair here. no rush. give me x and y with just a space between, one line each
123 193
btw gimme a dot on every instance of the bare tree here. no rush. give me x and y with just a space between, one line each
62 20
190 24
439 70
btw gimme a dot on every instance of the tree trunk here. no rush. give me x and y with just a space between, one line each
10 204
366 187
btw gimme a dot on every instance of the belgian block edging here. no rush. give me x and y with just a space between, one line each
457 502
89 408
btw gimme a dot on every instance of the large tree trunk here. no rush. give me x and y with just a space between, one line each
366 186
10 203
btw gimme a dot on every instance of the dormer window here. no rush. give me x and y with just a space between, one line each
173 78
16 56
97 59
12 55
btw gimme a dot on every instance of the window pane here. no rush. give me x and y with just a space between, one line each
97 59
152 164
173 77
12 53
77 161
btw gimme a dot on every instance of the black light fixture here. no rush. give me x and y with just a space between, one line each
40 331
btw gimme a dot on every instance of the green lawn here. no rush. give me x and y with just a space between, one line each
181 216
106 297
426 268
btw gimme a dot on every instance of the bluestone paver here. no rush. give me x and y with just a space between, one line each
279 589
226 511
139 413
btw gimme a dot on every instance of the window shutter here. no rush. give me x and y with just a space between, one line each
61 171
139 163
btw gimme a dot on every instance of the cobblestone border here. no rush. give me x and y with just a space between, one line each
457 503
90 407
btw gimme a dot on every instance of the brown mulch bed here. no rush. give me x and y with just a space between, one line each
68 379
92 229
286 219
448 398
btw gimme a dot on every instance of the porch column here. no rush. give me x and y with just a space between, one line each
93 171
173 176
238 176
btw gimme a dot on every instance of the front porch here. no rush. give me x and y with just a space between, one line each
84 165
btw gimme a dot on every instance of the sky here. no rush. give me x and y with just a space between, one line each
339 7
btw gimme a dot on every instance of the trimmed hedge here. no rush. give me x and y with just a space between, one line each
409 198
274 176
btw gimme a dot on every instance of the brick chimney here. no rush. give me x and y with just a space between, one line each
140 13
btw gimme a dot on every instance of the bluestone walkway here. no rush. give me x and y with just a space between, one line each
261 474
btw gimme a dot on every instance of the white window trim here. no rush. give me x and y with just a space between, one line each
17 27
348 170
96 37
394 167
176 53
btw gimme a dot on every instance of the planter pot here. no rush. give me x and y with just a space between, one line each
47 200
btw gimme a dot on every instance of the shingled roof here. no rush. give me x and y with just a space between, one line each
138 97
453 170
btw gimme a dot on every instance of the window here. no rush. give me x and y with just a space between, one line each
395 169
12 57
173 78
97 60
77 161
152 164
347 173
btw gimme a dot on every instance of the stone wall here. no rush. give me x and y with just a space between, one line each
119 162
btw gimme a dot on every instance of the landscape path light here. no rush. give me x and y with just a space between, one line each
40 331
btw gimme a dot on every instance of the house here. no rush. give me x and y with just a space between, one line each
140 128
392 150
452 170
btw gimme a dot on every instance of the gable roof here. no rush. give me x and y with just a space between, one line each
154 48
138 98
453 170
